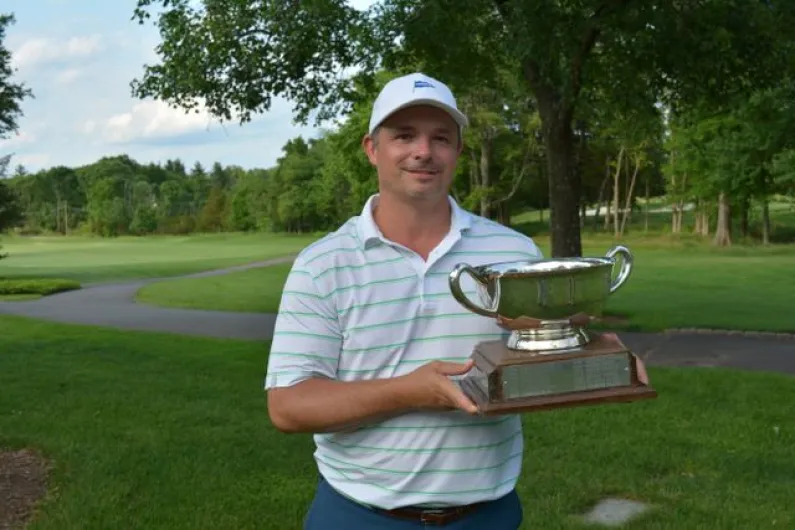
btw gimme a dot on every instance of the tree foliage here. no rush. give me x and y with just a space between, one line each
236 55
12 94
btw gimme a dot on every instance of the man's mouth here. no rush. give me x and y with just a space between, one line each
423 172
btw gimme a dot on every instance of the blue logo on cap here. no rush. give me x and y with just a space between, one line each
422 84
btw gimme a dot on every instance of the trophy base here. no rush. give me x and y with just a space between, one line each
510 381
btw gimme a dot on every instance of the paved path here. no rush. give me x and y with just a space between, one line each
114 305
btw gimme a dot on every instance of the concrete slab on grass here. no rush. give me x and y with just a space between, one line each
615 512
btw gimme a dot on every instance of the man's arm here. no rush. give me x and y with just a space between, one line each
325 405
304 394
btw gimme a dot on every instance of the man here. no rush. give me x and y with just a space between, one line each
368 338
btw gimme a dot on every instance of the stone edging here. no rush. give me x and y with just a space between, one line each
731 332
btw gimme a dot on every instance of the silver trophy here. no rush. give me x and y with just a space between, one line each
549 359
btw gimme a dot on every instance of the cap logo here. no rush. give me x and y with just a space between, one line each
422 84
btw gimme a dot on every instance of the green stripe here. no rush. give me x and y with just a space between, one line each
403 491
285 372
303 354
305 334
374 282
302 293
413 319
470 235
394 301
336 249
401 363
483 336
509 439
354 286
327 239
490 252
456 471
307 314
358 267
436 426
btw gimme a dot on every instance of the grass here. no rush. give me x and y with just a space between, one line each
94 259
40 287
676 282
160 431
254 290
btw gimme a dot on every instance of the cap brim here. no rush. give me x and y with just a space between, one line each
458 116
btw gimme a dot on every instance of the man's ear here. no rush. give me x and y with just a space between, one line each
369 146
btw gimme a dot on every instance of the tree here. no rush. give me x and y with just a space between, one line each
236 55
11 94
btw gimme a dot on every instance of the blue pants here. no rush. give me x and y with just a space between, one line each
331 511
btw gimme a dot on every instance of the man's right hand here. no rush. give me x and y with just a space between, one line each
430 387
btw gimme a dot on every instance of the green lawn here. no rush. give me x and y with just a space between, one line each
676 282
160 431
254 290
94 259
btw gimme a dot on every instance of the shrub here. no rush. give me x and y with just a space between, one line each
38 286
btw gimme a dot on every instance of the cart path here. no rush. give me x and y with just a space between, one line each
113 305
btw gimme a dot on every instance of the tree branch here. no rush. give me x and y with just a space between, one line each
587 44
518 179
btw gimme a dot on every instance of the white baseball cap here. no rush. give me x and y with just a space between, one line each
414 89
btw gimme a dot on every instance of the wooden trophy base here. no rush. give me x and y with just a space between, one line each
507 381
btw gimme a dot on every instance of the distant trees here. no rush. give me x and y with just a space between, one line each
727 164
546 57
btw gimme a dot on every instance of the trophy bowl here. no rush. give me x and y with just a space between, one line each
549 360
545 302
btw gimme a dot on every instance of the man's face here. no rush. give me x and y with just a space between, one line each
415 152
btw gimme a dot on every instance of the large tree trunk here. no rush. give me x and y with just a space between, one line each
564 182
723 231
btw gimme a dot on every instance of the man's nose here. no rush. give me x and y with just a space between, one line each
422 147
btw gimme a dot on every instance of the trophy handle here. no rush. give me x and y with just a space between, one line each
461 297
626 266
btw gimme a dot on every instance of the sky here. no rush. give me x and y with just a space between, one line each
79 57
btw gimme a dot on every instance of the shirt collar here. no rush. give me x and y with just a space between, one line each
370 234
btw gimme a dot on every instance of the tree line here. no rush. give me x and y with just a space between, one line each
572 107
578 67
724 164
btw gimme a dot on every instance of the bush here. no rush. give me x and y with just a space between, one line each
41 286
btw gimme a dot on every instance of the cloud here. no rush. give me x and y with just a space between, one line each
152 119
39 51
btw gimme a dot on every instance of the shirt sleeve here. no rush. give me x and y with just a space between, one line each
307 337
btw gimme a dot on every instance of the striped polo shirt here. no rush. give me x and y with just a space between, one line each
356 306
